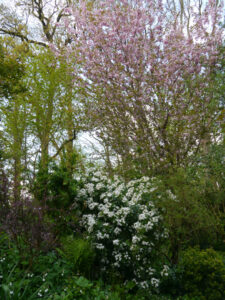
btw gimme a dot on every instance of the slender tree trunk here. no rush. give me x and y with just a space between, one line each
17 131
70 133
17 179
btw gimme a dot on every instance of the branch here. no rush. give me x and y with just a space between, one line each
63 145
165 122
22 37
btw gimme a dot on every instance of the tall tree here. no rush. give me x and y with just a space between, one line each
13 109
51 96
148 81
47 16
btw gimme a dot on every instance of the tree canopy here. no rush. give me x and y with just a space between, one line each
148 79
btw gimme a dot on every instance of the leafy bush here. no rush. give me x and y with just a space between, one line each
55 186
27 225
19 280
189 217
52 278
202 274
81 288
125 227
79 253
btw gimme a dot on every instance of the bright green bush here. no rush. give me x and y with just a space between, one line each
55 186
79 253
202 274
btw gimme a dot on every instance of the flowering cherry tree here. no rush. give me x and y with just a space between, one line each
147 79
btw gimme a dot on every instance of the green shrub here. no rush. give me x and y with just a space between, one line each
80 288
203 274
55 186
189 216
79 253
21 281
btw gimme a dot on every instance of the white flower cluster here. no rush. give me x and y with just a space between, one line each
124 225
2 259
41 292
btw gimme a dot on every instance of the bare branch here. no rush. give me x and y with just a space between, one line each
63 145
22 37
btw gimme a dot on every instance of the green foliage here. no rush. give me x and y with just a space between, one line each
79 254
56 188
202 274
61 186
11 72
208 171
21 281
52 278
56 184
192 200
83 289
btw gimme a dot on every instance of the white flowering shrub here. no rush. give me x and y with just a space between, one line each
125 227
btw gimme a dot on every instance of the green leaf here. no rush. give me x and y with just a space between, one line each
83 282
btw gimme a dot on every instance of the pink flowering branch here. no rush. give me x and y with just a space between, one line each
148 80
